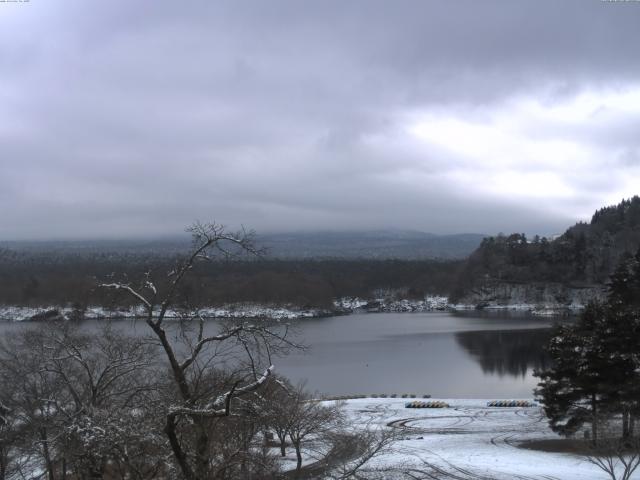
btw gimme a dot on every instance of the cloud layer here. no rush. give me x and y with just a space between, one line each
135 118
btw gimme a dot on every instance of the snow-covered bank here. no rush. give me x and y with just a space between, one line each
248 311
431 303
542 310
467 441
341 306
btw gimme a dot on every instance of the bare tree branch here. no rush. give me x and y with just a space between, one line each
130 291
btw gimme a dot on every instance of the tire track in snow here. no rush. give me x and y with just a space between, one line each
505 435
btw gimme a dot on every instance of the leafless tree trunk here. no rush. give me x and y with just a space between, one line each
44 442
258 341
278 401
297 444
594 421
5 441
310 418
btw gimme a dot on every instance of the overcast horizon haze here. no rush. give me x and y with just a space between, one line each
133 119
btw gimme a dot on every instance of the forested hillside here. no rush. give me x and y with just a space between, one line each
535 270
585 255
46 278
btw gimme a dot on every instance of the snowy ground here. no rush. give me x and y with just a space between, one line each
469 441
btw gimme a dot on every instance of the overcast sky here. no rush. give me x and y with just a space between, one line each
135 118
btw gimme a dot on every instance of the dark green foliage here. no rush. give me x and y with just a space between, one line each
571 390
596 373
586 253
624 286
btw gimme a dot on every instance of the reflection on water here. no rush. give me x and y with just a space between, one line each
507 352
468 355
455 355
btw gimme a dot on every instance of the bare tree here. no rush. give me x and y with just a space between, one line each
79 399
240 442
358 449
28 390
310 418
278 400
194 358
618 458
8 436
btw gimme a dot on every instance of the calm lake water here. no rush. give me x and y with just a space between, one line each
459 355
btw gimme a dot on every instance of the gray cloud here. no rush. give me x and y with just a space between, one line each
135 118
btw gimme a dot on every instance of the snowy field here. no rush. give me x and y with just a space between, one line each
468 441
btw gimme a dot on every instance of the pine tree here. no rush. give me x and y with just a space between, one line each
621 284
596 373
621 339
571 391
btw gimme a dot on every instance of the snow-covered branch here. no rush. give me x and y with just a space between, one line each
220 405
129 290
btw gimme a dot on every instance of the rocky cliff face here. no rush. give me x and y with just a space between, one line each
540 296
391 304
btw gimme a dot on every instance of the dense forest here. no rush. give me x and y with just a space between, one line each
42 279
586 254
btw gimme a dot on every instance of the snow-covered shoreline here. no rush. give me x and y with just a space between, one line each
342 306
54 312
431 303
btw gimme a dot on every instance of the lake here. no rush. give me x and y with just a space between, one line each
444 354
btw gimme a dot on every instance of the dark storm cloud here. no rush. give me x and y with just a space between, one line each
135 118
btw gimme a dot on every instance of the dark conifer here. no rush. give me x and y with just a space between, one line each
571 391
596 375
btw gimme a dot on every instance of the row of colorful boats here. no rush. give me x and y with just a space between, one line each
511 403
494 403
420 404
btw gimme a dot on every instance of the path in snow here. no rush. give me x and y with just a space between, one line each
469 441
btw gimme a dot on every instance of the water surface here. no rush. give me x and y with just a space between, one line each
444 354
463 355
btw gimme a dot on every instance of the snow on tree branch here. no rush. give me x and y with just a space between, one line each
220 406
128 289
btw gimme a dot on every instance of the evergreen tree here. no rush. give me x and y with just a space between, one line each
571 391
621 339
624 284
596 373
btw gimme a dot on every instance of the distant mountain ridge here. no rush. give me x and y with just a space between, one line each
376 244
380 244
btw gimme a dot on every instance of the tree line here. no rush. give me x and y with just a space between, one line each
37 279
